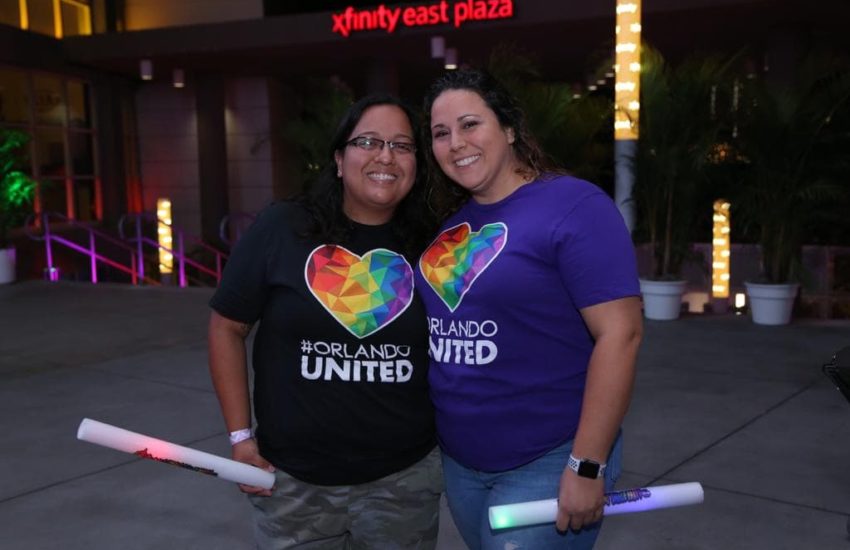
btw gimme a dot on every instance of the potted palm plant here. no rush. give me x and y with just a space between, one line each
795 167
16 193
678 130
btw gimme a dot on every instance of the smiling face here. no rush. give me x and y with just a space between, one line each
374 182
472 147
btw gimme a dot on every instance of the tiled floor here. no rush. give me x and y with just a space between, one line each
741 408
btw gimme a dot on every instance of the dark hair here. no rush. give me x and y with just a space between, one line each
533 161
413 222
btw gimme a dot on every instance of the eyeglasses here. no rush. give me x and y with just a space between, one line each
371 144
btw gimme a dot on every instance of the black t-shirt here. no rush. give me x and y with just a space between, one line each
340 355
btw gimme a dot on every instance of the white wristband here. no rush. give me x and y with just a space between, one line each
240 435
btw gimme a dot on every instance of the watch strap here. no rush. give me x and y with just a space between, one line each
585 467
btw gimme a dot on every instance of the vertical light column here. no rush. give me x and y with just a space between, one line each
57 19
626 105
720 250
24 13
164 236
627 70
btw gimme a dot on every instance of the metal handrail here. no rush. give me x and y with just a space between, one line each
178 252
38 227
51 238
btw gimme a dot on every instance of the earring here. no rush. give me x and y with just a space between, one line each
338 173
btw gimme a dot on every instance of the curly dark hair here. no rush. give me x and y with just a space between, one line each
414 221
532 160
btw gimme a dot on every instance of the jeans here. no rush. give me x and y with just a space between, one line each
471 492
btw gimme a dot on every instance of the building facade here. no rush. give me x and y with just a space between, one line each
130 101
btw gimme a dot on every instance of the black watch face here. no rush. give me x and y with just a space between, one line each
588 469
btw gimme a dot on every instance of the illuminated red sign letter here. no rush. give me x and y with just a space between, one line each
435 13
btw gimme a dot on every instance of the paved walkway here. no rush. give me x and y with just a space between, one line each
741 408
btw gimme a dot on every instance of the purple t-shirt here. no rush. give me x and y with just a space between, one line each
503 285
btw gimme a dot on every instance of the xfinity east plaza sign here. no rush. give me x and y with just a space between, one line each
438 13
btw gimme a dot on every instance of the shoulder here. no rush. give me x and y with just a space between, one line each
275 225
568 187
285 209
557 197
578 206
286 213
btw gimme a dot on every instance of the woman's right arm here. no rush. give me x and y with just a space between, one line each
229 372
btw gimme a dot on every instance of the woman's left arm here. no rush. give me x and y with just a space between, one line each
617 328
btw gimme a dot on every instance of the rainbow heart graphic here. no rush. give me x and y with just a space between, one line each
458 256
364 293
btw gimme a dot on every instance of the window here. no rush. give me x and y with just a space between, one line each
76 18
49 152
40 16
79 114
49 104
57 114
10 13
14 99
51 17
85 203
82 153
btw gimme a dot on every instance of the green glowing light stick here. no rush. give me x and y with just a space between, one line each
619 502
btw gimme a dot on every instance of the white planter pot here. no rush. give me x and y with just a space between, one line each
771 304
662 300
7 265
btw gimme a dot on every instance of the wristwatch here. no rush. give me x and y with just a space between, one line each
585 467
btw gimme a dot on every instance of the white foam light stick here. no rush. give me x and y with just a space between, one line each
618 502
170 453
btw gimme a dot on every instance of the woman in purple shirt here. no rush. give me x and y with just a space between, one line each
534 323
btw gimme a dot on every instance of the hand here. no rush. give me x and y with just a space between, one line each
580 501
247 451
